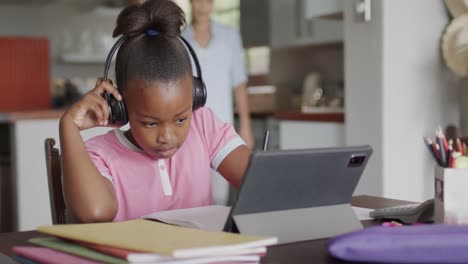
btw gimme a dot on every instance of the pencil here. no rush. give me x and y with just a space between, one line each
428 143
265 140
441 135
442 152
454 156
451 158
459 146
442 142
436 150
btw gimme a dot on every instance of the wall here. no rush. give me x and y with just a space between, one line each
62 24
397 91
419 92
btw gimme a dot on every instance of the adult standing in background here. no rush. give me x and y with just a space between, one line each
219 50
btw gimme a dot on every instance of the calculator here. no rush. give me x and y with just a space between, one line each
407 214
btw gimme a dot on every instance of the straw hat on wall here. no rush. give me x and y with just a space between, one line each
457 7
455 45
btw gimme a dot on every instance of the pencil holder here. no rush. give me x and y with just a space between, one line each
450 196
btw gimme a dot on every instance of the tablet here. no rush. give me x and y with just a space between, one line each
299 194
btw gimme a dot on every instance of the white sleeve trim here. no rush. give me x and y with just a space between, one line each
107 176
219 157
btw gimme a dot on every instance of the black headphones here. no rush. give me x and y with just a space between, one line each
118 112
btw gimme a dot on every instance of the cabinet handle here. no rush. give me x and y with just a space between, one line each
363 10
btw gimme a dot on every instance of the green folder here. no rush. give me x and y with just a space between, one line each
75 249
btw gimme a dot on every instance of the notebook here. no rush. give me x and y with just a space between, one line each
93 252
159 238
47 255
112 251
23 260
210 259
74 249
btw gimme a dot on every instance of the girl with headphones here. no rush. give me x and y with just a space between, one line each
163 161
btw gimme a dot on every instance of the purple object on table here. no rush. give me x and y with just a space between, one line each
405 244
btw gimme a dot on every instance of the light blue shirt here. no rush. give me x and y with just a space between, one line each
223 67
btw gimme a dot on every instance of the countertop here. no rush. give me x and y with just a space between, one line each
11 117
336 117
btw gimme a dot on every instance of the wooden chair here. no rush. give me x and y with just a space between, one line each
54 177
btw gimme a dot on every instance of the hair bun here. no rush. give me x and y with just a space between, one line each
164 16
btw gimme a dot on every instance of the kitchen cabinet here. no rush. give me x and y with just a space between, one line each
323 8
310 134
255 22
286 23
290 27
284 27
24 136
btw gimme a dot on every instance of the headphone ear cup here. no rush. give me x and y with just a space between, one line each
117 111
199 93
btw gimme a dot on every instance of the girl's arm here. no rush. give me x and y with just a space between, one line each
90 196
234 165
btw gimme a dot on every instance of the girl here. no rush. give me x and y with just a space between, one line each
163 161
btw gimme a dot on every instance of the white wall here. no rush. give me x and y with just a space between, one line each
419 93
364 91
62 24
397 91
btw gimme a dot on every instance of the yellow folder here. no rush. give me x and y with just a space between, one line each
150 236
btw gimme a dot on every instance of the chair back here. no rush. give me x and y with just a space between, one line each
54 177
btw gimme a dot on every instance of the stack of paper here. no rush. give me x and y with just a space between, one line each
143 241
211 217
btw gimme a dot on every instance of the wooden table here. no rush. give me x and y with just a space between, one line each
312 251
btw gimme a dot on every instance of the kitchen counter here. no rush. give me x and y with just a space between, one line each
22 136
335 117
11 117
299 130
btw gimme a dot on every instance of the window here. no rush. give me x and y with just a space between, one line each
225 11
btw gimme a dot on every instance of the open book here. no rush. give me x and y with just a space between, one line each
112 255
210 218
213 217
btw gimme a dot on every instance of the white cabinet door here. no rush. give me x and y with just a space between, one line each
289 26
255 22
29 166
310 134
284 24
317 8
320 31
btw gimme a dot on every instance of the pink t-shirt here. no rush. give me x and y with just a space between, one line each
144 184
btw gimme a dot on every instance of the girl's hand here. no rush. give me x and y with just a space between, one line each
92 109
